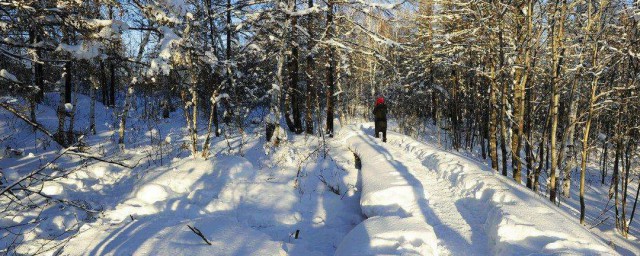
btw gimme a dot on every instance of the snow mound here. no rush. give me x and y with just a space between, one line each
389 235
395 204
152 193
52 189
517 221
387 187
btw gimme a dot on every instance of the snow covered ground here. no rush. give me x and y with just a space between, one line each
471 210
244 200
409 197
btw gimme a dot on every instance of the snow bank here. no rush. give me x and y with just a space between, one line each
387 188
517 221
392 200
389 235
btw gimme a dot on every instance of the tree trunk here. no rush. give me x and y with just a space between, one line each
112 85
555 100
604 158
212 118
616 182
103 84
229 73
592 100
625 185
493 121
330 71
71 137
503 129
123 116
635 203
67 82
94 84
503 105
529 141
521 76
310 78
293 73
213 115
38 96
568 148
557 51
38 74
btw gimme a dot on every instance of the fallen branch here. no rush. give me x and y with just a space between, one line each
197 232
36 125
98 158
7 188
66 202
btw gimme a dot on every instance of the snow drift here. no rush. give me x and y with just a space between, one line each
517 221
395 209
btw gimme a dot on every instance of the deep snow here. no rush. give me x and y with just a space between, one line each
244 199
471 210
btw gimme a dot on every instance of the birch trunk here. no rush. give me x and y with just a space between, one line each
123 116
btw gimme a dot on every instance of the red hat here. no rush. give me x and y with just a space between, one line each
379 101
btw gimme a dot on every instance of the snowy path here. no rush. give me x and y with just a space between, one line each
459 230
460 204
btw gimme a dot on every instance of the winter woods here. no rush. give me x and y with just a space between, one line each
543 90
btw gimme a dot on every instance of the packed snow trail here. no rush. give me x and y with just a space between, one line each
470 209
394 203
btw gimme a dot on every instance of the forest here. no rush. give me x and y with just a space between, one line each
544 93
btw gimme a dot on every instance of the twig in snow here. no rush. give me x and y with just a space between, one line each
7 188
197 232
98 158
598 224
331 188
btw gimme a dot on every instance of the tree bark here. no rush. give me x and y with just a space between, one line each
293 73
330 71
123 116
493 121
93 86
310 78
521 76
568 147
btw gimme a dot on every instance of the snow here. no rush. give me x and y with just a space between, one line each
385 189
462 203
379 5
247 203
68 107
152 193
389 236
408 198
84 50
167 49
111 29
52 189
171 236
6 75
516 220
178 7
306 11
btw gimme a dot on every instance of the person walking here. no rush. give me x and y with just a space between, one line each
380 114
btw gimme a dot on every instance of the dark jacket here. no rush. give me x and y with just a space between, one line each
380 112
